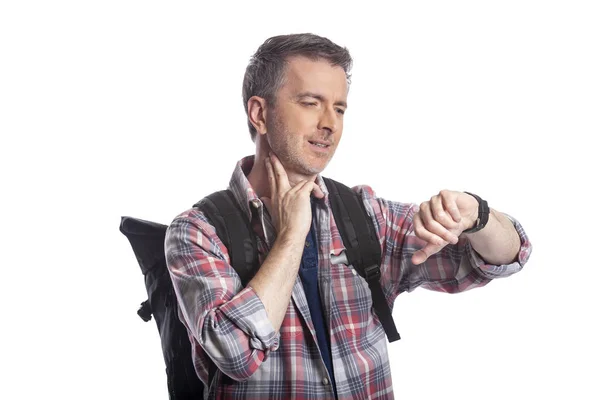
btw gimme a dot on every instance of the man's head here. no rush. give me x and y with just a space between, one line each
295 92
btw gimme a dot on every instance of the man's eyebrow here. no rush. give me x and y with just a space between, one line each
320 98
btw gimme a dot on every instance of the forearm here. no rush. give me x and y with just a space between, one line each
274 281
498 243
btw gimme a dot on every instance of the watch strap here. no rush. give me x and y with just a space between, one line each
482 217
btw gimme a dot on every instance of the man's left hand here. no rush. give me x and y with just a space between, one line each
441 220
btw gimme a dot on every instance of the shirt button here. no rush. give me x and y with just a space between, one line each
307 244
255 203
325 381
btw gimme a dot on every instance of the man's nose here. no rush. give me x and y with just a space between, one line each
328 120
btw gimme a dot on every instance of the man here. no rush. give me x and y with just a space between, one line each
303 327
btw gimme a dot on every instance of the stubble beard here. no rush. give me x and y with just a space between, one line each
289 148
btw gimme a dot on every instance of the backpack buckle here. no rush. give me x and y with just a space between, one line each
373 273
145 311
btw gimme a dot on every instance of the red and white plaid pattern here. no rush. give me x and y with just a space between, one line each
228 324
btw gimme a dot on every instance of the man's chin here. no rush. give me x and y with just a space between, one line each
306 167
311 169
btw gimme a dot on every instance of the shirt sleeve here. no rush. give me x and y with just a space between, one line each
228 321
455 268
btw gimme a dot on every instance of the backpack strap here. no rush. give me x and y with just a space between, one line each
234 231
362 247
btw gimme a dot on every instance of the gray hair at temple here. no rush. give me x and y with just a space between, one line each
266 69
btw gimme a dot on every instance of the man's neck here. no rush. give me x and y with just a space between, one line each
259 179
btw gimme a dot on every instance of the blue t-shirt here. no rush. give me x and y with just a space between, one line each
309 275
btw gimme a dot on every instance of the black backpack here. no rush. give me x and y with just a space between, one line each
147 240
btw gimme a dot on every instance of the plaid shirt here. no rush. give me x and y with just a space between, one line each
228 323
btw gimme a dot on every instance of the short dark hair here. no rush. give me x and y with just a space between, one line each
265 72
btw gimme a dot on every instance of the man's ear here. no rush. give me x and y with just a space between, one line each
257 114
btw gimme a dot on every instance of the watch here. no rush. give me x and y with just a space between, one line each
483 215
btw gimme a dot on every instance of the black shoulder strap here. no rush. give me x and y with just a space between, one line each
362 246
234 230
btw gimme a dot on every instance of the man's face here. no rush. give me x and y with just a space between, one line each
305 125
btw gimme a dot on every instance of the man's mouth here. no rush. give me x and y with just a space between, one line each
320 144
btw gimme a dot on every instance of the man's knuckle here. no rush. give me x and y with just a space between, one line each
430 224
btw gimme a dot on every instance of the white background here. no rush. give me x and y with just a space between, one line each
134 108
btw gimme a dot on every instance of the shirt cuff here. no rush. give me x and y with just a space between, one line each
498 271
248 312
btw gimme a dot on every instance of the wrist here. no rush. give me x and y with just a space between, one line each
291 239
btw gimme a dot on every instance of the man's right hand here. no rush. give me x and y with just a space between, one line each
291 214
289 206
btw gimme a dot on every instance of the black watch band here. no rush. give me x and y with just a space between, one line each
482 218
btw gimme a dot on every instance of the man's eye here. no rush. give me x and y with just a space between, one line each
309 104
341 111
